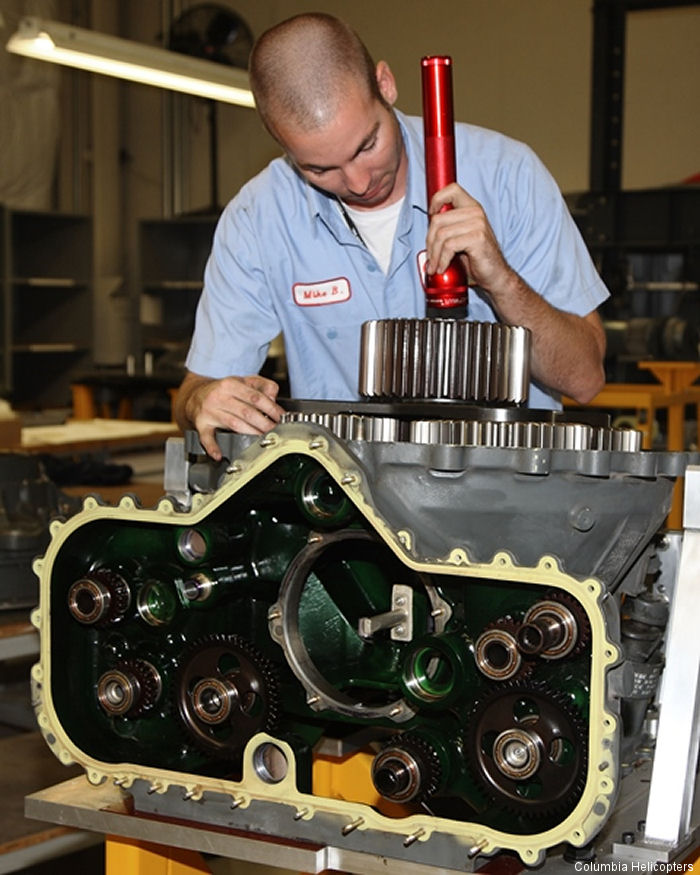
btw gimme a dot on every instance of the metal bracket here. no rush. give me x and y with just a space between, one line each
673 774
399 619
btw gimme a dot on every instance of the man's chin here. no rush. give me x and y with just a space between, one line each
370 202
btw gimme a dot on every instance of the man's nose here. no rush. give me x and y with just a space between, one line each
357 179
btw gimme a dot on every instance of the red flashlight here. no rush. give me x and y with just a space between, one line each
446 292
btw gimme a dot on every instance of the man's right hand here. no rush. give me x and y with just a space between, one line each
247 405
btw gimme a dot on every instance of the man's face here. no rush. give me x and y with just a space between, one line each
358 156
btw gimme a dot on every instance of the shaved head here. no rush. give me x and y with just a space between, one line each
302 68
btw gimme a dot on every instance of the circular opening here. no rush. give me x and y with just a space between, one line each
192 545
496 654
321 499
530 638
270 763
431 674
561 752
525 709
156 603
197 588
85 602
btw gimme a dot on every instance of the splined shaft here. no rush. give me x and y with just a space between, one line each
445 359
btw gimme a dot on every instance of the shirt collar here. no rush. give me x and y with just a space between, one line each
415 150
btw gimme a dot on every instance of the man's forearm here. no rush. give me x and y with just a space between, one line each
567 350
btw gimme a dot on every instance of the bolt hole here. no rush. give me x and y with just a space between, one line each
192 545
270 763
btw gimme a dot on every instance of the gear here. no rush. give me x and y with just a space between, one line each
226 691
565 615
100 598
130 689
528 748
407 769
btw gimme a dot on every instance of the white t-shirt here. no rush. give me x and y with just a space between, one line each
377 229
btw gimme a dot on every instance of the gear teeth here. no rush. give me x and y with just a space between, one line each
263 675
559 796
150 684
582 623
425 754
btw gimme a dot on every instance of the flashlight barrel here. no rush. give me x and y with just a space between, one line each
438 123
446 293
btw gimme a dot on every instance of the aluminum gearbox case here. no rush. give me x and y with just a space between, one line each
443 623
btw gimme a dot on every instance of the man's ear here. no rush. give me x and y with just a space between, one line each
386 83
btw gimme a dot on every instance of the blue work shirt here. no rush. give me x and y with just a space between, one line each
284 260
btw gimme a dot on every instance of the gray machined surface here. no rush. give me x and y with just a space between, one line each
595 510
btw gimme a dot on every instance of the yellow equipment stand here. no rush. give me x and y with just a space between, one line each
124 855
345 778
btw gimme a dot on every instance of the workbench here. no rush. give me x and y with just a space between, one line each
95 435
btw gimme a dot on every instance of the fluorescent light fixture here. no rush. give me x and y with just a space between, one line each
100 53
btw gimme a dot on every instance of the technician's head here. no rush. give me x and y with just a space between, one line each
323 99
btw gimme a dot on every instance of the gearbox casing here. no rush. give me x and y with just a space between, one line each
446 619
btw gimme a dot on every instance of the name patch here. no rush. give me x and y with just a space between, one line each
326 292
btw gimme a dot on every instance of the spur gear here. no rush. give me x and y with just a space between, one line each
226 691
99 598
528 749
130 689
554 628
407 769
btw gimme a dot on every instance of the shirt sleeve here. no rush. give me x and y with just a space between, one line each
235 319
542 243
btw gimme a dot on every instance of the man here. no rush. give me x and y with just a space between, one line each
332 235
